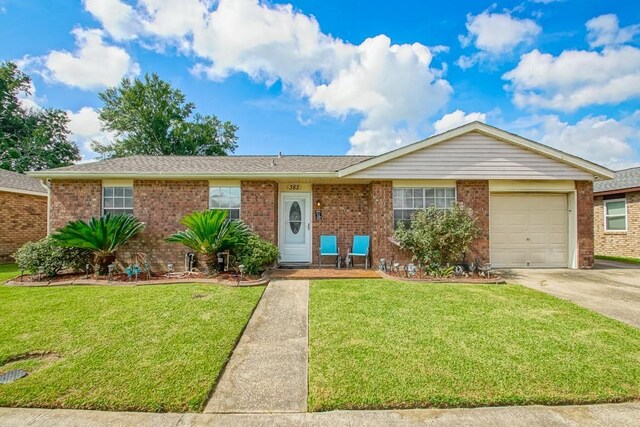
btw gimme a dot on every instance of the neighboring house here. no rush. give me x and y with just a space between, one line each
23 212
617 214
534 204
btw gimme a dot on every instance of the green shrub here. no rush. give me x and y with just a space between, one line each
210 232
257 254
51 257
438 236
102 236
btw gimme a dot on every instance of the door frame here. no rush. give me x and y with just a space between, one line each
281 224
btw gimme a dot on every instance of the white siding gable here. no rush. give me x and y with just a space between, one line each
473 156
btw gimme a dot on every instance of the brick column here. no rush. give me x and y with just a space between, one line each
475 195
584 199
382 225
259 208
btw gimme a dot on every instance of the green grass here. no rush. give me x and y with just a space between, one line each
147 348
384 344
8 271
619 258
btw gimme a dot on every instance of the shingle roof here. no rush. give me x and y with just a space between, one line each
202 165
20 182
627 178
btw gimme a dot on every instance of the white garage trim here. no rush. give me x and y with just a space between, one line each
571 220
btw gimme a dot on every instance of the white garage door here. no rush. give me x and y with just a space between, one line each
528 230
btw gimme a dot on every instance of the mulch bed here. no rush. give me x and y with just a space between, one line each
401 276
121 279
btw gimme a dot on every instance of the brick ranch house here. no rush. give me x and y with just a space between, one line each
617 215
534 204
23 212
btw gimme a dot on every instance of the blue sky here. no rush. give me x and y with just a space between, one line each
336 77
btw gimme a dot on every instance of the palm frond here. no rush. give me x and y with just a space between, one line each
210 232
102 235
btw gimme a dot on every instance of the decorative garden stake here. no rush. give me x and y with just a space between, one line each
411 270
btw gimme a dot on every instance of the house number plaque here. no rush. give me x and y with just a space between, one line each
294 187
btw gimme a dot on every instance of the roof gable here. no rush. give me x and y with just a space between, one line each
455 154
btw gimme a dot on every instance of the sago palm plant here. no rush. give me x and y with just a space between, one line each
103 236
210 232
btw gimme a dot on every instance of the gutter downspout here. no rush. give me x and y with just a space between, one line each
47 184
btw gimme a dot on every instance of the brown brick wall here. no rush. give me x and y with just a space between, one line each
618 243
381 221
259 208
74 199
161 205
475 195
345 213
584 194
23 218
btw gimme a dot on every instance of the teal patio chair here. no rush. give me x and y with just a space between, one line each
329 247
360 248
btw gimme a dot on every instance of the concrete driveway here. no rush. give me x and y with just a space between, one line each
611 288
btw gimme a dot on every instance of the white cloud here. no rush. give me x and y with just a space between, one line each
118 18
94 65
456 119
394 88
604 30
576 78
606 141
495 34
85 128
377 141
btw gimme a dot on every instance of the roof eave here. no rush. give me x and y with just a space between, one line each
21 191
156 175
616 191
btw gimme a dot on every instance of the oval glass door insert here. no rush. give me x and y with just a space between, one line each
295 217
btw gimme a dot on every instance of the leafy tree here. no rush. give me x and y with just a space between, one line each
102 236
210 232
439 237
30 139
150 117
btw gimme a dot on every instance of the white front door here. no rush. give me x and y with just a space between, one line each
295 227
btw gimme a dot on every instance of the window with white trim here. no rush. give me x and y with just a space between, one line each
227 198
615 215
408 200
117 200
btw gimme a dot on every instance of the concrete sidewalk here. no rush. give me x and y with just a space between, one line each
267 371
619 415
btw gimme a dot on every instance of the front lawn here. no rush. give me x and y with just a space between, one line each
383 344
8 271
619 259
146 348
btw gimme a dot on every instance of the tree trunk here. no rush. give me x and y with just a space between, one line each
103 262
211 261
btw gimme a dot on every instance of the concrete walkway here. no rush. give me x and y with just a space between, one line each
622 414
267 371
